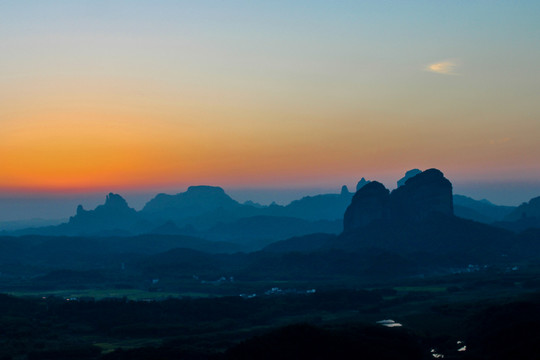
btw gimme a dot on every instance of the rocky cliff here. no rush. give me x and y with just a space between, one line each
426 193
369 203
423 194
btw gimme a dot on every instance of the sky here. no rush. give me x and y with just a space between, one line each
150 96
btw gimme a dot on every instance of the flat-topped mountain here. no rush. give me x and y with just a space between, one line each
423 194
195 201
211 201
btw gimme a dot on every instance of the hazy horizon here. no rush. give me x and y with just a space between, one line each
47 206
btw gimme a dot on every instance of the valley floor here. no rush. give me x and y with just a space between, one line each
480 314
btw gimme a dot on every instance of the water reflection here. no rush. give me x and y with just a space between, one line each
389 323
436 355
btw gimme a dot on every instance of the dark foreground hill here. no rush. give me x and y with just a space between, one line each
380 323
98 252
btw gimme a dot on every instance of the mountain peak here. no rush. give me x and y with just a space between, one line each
115 200
363 182
409 174
427 192
423 194
368 204
115 213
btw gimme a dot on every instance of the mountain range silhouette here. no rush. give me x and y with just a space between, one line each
208 212
411 230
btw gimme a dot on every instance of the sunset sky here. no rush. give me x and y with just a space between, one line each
97 96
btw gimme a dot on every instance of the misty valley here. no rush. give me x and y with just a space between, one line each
413 273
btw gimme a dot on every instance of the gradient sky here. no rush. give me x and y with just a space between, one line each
141 96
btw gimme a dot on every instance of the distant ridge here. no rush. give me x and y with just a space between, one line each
114 211
209 212
480 210
411 230
526 216
409 174
529 209
111 218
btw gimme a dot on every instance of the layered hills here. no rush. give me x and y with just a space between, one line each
416 222
380 233
407 246
480 210
208 212
205 212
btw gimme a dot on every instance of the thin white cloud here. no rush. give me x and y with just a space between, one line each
499 141
447 67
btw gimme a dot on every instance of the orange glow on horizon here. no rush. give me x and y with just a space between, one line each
63 149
